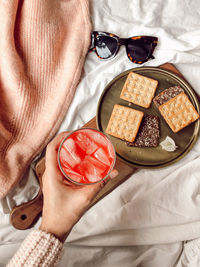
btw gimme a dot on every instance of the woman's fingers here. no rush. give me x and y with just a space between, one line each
51 161
113 173
55 143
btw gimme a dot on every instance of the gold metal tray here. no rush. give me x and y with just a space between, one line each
149 157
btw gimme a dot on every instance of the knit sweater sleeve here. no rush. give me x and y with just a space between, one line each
38 249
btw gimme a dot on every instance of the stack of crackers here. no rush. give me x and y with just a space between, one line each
142 130
176 108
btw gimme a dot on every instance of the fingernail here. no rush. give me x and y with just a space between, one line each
113 173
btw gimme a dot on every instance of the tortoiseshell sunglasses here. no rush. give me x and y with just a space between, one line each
139 49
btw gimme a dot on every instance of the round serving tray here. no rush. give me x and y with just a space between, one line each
149 157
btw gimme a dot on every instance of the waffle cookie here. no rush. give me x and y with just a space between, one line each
167 94
148 134
178 112
139 89
124 123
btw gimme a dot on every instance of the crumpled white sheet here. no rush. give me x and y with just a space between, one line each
152 219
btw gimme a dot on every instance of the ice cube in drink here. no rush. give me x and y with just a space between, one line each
86 156
69 153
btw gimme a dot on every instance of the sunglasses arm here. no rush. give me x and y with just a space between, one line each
91 49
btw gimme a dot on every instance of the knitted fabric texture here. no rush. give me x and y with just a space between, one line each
38 249
43 46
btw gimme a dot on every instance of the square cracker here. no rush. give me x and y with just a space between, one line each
178 112
139 89
124 122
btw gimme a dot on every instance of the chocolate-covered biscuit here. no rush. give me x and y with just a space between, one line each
167 94
148 134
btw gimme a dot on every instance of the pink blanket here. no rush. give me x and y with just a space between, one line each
43 45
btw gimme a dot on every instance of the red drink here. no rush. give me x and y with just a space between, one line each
86 156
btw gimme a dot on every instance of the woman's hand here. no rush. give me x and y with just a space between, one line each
63 204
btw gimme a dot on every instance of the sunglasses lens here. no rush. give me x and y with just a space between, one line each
105 46
138 50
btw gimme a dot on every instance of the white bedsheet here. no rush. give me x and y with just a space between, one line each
153 219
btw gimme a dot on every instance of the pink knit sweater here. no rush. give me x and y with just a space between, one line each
39 249
43 46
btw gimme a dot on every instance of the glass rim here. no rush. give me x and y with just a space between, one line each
60 165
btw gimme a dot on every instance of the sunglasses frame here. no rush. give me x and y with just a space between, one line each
124 41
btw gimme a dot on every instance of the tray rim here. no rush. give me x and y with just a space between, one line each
194 99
